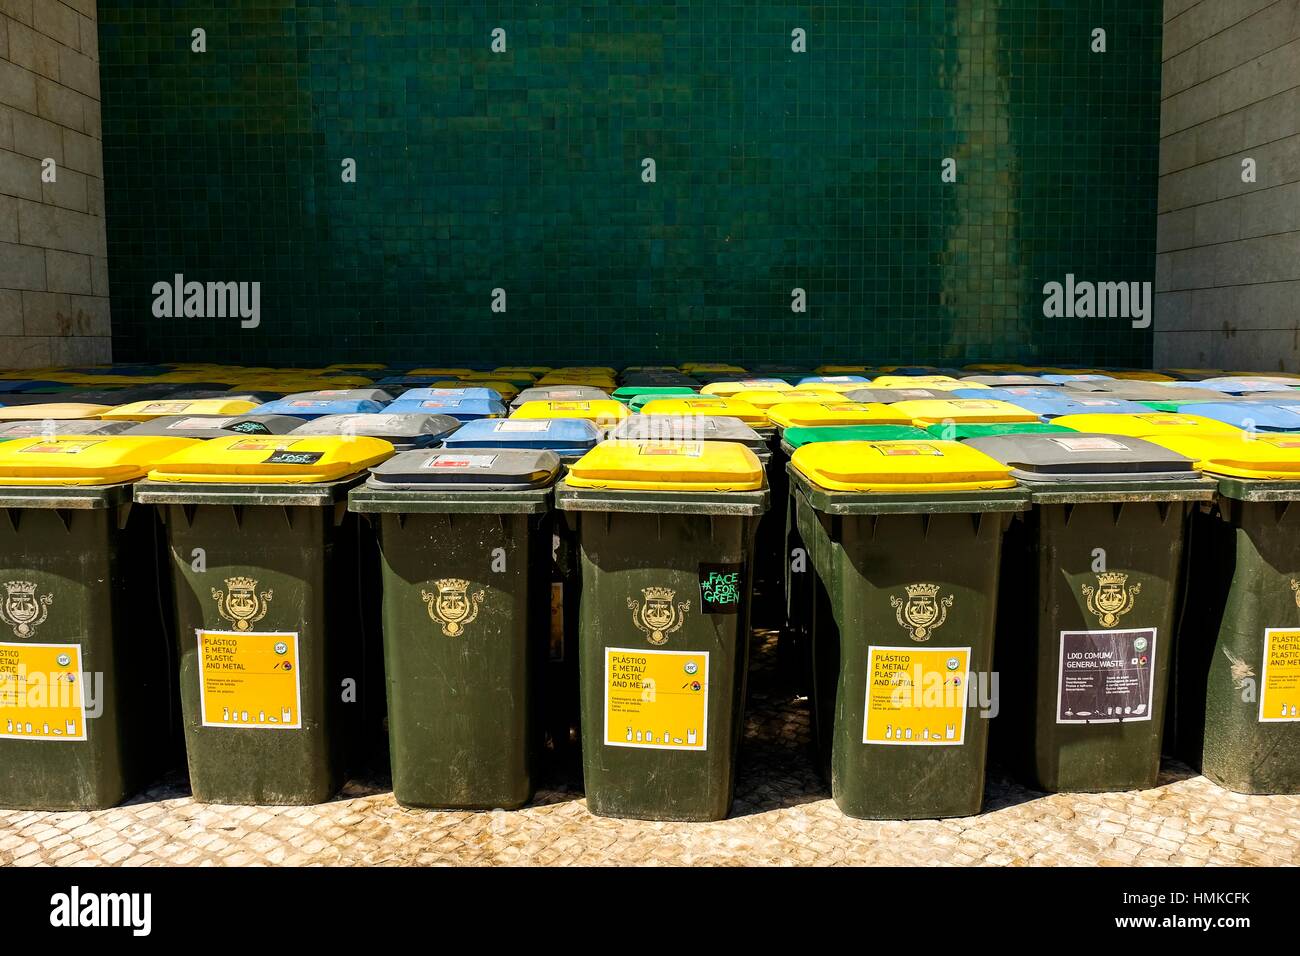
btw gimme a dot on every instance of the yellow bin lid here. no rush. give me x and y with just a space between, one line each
84 461
815 414
910 381
601 411
668 466
144 411
282 459
55 411
1275 457
1147 426
966 411
730 407
765 398
900 466
727 389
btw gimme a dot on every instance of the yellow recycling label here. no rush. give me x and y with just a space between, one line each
656 699
249 679
1279 695
916 697
41 694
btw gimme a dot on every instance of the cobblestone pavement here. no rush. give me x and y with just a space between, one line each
782 816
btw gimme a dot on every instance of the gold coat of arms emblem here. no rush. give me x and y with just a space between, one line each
451 605
1295 586
923 612
23 609
241 604
657 616
1112 598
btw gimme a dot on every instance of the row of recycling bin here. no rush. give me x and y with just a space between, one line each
901 531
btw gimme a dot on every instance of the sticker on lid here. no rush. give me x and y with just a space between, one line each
200 423
295 457
523 425
459 462
1284 442
975 403
688 450
253 444
1094 401
570 406
1092 443
907 448
250 428
431 404
1168 419
919 392
845 407
704 403
564 393
165 408
57 446
305 403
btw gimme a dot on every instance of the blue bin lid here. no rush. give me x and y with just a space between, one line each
563 436
1240 385
831 379
464 409
1016 394
451 394
1084 404
1060 379
316 407
1252 416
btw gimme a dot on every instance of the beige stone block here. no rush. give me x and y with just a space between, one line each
61 105
17 86
56 19
47 313
68 190
79 72
33 51
24 351
37 137
11 312
20 175
21 267
68 272
53 228
99 275
20 10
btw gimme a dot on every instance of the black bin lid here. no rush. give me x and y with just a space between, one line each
40 428
689 428
215 426
467 469
1084 457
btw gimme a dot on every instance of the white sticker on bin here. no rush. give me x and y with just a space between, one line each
459 462
1089 444
524 425
201 423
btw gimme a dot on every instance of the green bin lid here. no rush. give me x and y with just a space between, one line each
467 469
1084 457
955 432
801 435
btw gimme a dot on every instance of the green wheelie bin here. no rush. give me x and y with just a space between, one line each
465 554
666 537
85 709
1235 693
905 539
794 648
1091 580
264 574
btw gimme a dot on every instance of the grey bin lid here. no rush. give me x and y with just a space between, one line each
891 395
1084 457
561 393
343 395
400 428
215 426
39 429
1142 391
467 469
689 428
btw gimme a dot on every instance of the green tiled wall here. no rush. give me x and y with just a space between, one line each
522 171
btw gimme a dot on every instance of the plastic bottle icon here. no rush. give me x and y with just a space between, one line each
261 716
925 734
629 733
285 714
9 726
28 727
908 733
45 729
638 736
950 732
668 738
72 727
691 736
889 731
243 715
